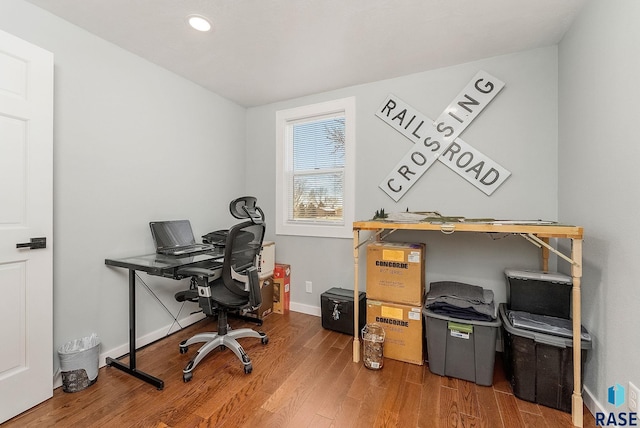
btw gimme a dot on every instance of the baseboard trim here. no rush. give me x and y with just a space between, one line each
591 402
306 309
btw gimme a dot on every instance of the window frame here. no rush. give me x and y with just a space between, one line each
284 163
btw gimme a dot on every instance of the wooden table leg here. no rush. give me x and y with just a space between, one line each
576 273
356 300
545 256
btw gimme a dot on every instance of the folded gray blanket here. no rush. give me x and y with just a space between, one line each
451 294
471 293
459 313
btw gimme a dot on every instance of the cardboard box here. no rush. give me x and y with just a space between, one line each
266 307
395 272
281 288
402 325
267 259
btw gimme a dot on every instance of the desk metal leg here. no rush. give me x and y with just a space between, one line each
131 368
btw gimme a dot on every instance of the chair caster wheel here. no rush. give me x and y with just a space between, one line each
265 340
186 377
248 369
184 350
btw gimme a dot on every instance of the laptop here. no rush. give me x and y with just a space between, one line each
175 238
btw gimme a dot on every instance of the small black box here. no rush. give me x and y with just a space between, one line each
537 292
337 310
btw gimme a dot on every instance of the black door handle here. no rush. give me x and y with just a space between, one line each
34 244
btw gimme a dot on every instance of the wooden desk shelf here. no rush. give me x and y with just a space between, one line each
537 234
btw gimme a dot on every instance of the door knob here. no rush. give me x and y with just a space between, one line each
34 244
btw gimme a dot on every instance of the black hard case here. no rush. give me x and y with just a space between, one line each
337 310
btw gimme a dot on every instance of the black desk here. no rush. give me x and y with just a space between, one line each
159 265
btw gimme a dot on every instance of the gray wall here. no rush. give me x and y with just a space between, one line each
598 186
122 128
518 130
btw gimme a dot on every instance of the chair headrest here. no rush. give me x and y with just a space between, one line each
245 207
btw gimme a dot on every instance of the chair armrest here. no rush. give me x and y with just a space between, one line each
197 271
187 296
255 294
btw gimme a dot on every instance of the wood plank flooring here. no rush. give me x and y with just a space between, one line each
304 377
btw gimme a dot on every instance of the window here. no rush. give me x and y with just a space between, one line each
315 169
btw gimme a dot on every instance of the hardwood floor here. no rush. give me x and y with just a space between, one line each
304 377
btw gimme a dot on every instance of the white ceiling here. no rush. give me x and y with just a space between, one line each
262 51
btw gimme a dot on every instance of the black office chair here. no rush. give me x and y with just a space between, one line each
237 289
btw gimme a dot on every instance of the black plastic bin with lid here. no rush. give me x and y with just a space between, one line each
538 292
539 366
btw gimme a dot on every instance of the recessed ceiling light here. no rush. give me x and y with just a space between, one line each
199 22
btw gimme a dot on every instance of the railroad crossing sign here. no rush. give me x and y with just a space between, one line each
438 140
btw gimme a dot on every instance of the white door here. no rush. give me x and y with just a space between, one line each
26 211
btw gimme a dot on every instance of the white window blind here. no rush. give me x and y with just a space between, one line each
315 169
316 179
